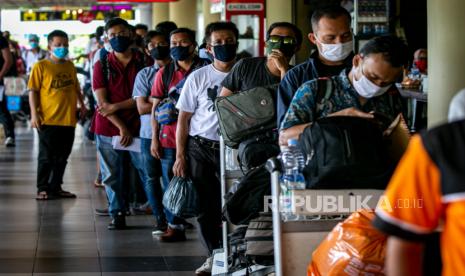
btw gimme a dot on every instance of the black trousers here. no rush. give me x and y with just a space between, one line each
6 120
204 169
55 145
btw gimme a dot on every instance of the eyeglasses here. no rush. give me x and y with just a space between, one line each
283 39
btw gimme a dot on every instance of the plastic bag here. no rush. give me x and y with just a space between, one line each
181 198
353 247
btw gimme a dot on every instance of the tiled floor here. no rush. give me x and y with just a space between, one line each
64 237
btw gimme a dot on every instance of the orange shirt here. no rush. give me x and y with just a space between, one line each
414 205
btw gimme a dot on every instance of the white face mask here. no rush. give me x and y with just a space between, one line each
107 46
367 88
336 52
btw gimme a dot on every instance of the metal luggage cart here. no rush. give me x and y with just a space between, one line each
295 241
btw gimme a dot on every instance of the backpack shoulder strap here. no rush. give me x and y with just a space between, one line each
105 65
167 76
324 89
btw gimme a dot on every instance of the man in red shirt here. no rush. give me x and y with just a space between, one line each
113 82
182 50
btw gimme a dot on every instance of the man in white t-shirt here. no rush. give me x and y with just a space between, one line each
197 139
34 54
457 107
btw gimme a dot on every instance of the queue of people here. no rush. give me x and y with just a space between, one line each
153 86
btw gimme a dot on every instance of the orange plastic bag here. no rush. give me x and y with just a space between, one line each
353 247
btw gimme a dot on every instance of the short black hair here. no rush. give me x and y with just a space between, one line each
56 33
332 12
393 49
116 21
166 27
142 27
297 32
151 34
99 32
190 33
220 26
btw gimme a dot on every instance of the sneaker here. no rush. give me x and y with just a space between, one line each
188 225
118 222
206 268
160 229
10 142
173 235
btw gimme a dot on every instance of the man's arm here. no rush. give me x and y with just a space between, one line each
182 132
403 257
8 61
126 136
34 103
105 108
155 147
144 106
225 92
291 133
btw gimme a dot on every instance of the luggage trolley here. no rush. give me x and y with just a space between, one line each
220 256
295 241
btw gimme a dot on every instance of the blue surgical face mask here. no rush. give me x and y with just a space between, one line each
34 44
180 52
60 52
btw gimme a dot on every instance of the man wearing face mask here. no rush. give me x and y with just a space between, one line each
283 41
53 98
34 54
359 92
158 48
197 139
113 81
163 144
333 37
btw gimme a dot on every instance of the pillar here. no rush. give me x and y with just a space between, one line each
145 12
278 11
184 13
207 16
160 13
445 56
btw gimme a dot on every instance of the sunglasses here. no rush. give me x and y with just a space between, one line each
283 39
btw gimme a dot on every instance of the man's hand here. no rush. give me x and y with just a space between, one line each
106 109
126 137
83 111
36 122
155 149
352 111
179 168
279 60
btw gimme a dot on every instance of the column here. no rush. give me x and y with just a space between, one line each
145 12
445 56
160 13
184 13
207 16
278 11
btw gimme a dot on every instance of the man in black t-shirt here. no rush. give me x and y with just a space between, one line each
6 61
283 41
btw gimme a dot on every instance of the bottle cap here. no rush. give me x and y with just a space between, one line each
292 142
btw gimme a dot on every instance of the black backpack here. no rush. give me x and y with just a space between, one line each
345 152
248 200
255 151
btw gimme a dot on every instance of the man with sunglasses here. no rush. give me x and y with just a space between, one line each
361 91
333 37
283 41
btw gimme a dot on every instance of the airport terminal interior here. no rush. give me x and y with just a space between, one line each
177 137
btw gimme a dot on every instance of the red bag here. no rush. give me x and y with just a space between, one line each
353 247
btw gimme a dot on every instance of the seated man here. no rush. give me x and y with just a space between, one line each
364 89
426 192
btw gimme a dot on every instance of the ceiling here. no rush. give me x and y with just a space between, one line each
36 4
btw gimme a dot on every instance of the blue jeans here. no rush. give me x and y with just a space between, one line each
167 163
151 173
111 166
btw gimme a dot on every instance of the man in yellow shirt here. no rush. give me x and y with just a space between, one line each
54 94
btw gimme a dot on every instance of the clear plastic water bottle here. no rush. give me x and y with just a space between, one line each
293 162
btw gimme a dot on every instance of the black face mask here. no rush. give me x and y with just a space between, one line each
180 52
286 49
160 52
139 41
120 43
226 52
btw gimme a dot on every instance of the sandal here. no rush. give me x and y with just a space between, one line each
65 194
42 196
